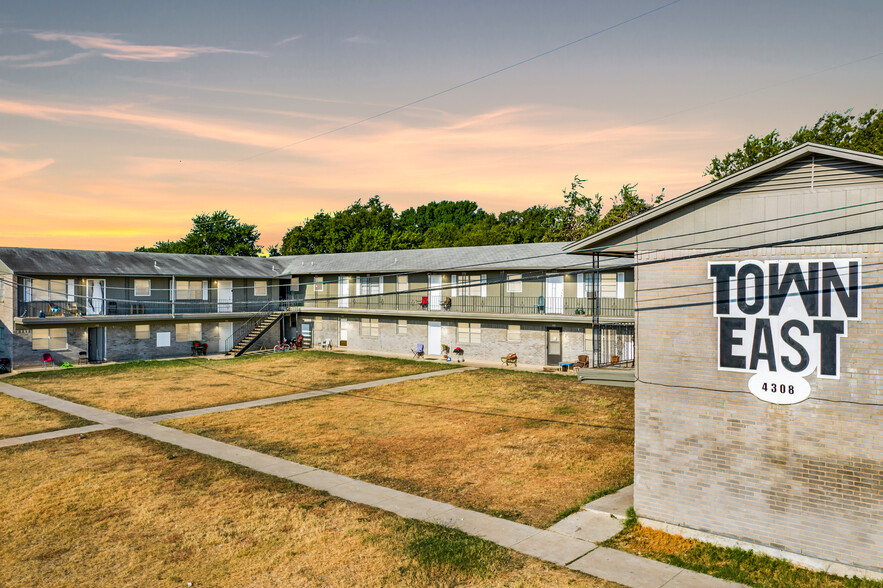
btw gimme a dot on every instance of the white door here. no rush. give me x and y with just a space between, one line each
434 344
95 293
435 296
342 333
343 292
555 295
225 296
225 337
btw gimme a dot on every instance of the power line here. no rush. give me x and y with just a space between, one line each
463 84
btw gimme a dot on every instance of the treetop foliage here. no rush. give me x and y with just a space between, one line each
213 234
860 133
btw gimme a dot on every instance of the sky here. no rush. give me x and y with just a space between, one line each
120 121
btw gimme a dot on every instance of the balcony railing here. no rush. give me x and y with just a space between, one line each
609 307
509 305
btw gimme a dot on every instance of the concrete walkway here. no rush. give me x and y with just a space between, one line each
10 441
557 547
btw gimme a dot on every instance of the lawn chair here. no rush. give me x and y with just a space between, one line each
424 302
325 344
418 353
582 362
47 359
511 359
541 304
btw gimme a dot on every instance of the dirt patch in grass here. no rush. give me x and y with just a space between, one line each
486 440
737 565
115 509
147 388
18 417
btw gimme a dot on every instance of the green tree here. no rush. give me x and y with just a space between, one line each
218 233
835 129
579 215
626 204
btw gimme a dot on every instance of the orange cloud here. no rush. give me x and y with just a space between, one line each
13 168
114 48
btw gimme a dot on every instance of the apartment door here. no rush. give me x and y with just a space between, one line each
343 292
225 334
95 293
97 344
435 293
555 295
342 333
433 346
225 295
553 345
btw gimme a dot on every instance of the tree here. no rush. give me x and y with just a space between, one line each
626 204
861 133
579 215
218 233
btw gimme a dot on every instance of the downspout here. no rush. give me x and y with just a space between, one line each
596 310
172 295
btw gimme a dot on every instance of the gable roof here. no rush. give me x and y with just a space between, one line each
713 188
525 256
47 262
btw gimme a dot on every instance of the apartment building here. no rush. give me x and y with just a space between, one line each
759 396
534 300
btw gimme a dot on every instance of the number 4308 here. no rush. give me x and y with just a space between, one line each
778 388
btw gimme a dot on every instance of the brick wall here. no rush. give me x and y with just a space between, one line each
806 478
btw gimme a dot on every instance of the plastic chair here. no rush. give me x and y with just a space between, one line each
299 342
83 358
47 358
541 304
424 302
418 353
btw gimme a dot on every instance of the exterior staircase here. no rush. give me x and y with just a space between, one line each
253 330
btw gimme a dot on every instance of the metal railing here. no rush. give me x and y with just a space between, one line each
130 308
608 307
248 326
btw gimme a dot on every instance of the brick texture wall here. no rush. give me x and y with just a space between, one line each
806 478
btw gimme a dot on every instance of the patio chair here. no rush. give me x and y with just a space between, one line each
83 358
325 344
299 342
511 359
447 303
47 359
424 302
582 362
541 304
418 353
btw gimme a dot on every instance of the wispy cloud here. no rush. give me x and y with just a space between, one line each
55 62
114 48
13 168
288 40
22 57
361 40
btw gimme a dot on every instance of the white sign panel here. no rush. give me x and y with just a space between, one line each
783 320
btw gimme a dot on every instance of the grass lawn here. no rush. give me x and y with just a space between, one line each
18 417
529 447
746 567
115 509
145 388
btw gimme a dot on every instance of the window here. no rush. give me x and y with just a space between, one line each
370 327
468 332
401 283
260 288
608 285
513 333
402 327
317 322
142 287
369 285
295 284
49 339
188 332
470 285
318 285
48 290
587 339
191 290
513 283
142 331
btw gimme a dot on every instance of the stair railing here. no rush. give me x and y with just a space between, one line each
252 322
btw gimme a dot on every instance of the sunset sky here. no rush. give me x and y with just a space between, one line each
119 121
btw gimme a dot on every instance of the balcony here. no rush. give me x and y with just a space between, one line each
609 308
622 308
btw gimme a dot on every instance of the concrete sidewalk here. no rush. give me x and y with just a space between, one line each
557 547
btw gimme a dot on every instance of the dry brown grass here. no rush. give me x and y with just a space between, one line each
456 438
156 387
114 509
18 417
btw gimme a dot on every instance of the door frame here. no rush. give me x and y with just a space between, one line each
554 303
430 326
222 340
91 282
435 295
99 357
225 305
550 358
342 332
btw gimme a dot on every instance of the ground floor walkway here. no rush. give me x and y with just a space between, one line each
571 542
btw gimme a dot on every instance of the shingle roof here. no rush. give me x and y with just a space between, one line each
527 256
32 261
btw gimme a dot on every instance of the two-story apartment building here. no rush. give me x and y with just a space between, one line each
534 300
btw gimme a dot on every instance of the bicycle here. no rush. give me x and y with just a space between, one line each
282 346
